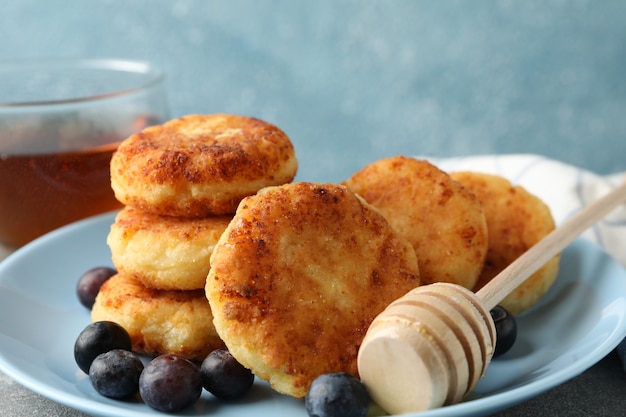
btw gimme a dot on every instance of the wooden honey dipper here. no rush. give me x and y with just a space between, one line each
430 347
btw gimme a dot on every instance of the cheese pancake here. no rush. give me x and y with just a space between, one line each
297 278
168 253
516 220
443 220
158 322
200 165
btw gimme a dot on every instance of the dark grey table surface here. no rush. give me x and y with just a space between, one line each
353 81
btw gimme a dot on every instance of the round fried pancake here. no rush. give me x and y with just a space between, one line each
168 253
159 322
200 165
443 220
516 220
298 276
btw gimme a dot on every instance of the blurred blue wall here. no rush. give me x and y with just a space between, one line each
353 81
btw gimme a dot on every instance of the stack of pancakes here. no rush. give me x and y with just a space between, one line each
217 247
181 183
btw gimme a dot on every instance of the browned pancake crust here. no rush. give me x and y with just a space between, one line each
443 220
516 220
159 322
297 278
168 253
201 165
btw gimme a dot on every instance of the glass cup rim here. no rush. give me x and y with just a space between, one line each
153 75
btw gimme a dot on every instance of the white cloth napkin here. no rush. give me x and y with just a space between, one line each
564 188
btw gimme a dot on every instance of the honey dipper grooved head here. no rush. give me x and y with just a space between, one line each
427 349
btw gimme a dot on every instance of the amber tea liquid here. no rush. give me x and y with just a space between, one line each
39 193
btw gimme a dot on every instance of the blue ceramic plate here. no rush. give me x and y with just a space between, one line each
580 321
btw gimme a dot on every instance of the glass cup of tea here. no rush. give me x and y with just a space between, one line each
60 122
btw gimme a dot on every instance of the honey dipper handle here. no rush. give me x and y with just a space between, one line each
534 258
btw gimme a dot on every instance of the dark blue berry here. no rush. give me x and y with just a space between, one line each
115 374
337 395
90 282
506 330
96 338
170 383
224 377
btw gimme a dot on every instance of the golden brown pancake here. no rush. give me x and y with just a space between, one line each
443 220
201 165
516 221
159 322
168 253
298 276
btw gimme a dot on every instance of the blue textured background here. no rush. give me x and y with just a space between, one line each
354 81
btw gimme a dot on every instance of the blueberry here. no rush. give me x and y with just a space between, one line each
115 374
224 377
97 338
170 383
338 394
506 330
90 282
